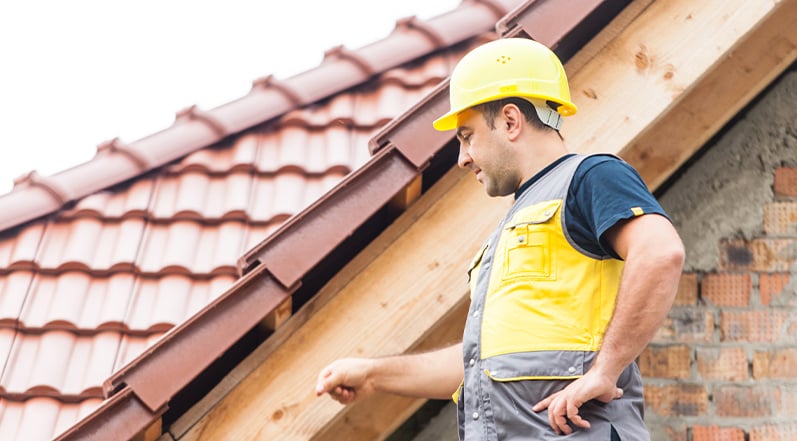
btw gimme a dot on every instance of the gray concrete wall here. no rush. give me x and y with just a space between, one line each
722 194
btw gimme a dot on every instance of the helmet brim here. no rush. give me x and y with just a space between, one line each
446 122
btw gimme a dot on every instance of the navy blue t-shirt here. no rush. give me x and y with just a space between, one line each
604 191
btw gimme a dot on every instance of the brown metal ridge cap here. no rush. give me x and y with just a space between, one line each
120 417
412 132
304 240
547 22
195 129
164 369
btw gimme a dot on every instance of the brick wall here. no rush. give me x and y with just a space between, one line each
724 365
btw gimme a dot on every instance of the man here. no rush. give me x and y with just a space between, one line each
565 293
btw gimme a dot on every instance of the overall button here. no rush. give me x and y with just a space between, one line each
472 362
476 313
475 415
571 369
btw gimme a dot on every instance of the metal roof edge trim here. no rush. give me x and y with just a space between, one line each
304 240
122 416
190 134
405 133
164 369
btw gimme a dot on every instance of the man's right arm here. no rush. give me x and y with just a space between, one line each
434 375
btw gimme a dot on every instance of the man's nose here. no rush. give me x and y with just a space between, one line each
463 159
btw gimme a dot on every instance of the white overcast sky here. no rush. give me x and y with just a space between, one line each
76 73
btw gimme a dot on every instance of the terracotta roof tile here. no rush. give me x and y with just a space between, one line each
199 196
18 247
115 204
7 336
161 303
77 300
14 288
60 363
40 418
189 247
87 243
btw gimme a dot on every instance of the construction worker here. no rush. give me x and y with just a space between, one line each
566 292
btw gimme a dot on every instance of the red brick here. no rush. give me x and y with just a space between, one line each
722 363
763 325
786 401
770 286
727 289
785 184
778 364
716 433
686 325
687 290
744 401
673 400
667 430
780 218
665 361
765 255
774 432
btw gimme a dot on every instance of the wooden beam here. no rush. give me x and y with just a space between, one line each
717 95
151 433
675 75
277 317
407 196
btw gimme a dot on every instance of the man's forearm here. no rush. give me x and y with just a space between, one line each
435 374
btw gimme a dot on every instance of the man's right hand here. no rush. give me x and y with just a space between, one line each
346 380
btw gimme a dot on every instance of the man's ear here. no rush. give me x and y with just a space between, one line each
512 120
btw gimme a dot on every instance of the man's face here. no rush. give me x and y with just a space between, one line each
487 153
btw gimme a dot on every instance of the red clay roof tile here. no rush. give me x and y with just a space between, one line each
18 247
89 244
59 363
40 418
77 300
161 303
14 288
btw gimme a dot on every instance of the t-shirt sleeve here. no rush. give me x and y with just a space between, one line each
607 190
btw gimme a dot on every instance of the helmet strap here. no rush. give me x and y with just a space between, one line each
549 117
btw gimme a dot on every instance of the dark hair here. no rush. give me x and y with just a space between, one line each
490 110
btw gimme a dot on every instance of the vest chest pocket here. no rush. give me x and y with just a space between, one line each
527 241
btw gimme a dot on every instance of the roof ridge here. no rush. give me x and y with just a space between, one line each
193 129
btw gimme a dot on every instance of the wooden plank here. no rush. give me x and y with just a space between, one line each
653 93
414 280
380 415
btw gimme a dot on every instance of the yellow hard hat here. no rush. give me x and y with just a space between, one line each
509 67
